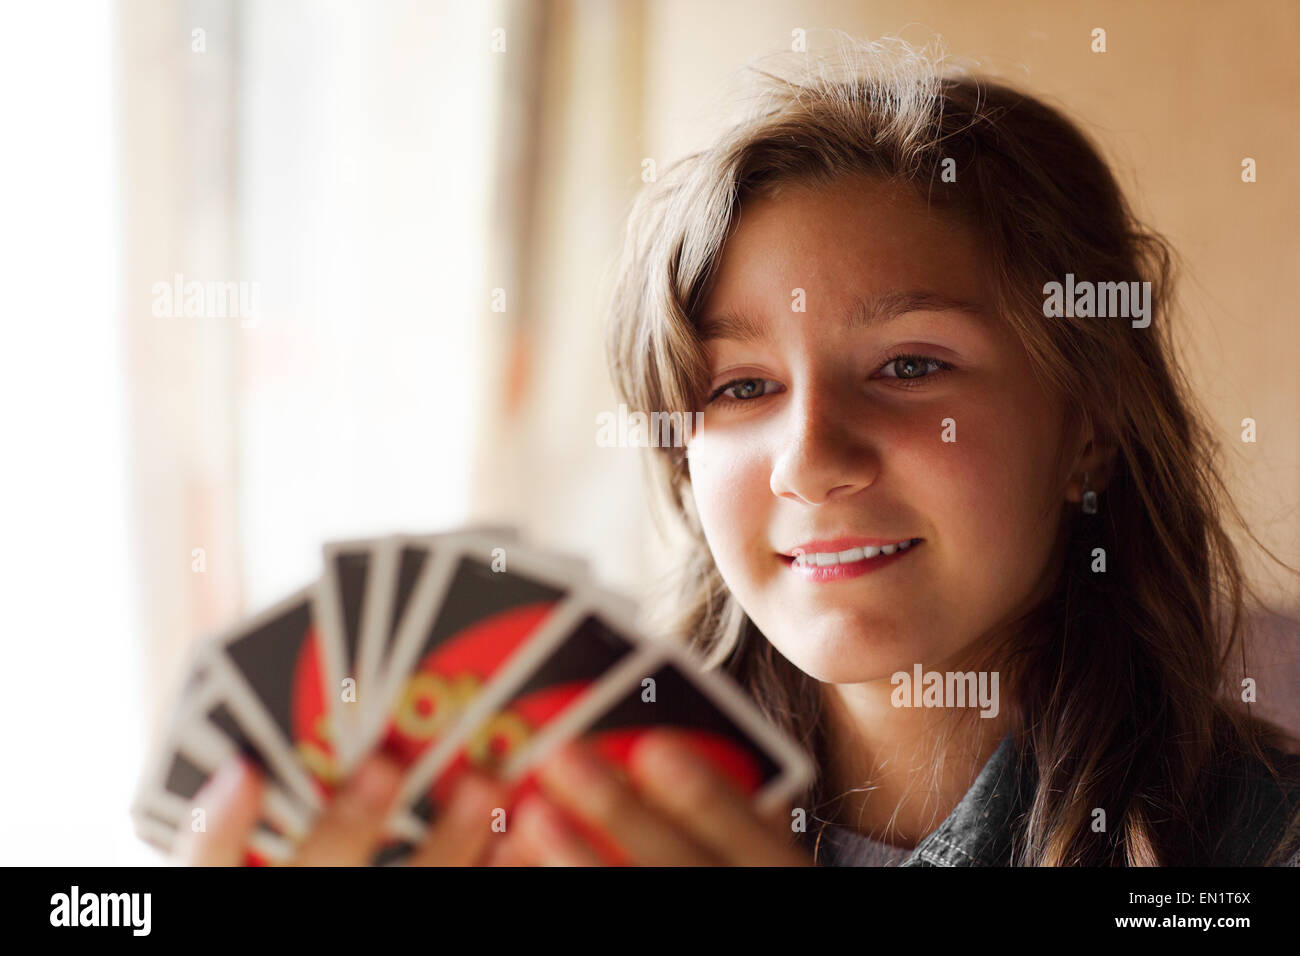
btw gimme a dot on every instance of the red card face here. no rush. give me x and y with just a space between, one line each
484 618
312 735
743 756
567 666
451 674
623 716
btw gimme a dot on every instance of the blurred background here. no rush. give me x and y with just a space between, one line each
417 204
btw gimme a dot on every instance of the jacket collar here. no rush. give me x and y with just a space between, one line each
1259 818
978 831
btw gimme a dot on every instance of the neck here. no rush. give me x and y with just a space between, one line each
881 768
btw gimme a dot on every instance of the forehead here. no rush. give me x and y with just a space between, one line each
860 247
742 324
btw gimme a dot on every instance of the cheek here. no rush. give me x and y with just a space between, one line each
730 482
990 496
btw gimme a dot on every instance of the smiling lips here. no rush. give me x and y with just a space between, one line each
845 557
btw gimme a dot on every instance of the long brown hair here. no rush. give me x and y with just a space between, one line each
1131 725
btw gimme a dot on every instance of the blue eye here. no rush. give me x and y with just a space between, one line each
912 368
908 370
746 389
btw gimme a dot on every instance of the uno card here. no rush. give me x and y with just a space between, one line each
155 831
399 565
394 645
396 569
270 674
193 750
582 642
665 687
475 605
351 599
264 848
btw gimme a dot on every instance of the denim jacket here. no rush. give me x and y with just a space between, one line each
1260 819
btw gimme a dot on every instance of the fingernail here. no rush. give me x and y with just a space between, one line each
223 784
667 754
376 782
473 793
546 823
578 763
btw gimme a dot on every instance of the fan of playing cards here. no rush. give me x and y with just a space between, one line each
449 651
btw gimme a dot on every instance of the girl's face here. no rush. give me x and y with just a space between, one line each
863 394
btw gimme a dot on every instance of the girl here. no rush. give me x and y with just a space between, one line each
911 462
850 284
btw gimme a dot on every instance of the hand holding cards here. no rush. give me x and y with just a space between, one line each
460 656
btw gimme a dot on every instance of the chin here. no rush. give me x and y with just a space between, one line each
845 671
837 660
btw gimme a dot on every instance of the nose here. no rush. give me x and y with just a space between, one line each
822 454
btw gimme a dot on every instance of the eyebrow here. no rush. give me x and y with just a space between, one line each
864 312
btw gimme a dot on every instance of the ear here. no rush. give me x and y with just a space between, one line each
1097 461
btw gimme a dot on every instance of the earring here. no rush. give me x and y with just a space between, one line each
1089 497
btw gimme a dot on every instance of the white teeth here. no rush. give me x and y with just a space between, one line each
831 558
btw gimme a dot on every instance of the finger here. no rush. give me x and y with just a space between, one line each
508 849
231 802
349 830
691 791
546 839
516 847
460 834
778 818
581 781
